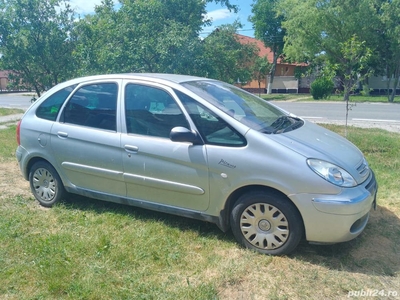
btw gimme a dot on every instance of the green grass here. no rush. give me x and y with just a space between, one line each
286 97
10 111
88 249
361 98
308 97
8 143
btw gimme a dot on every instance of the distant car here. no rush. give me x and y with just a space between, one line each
198 148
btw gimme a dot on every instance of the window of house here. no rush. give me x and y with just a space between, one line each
94 106
151 111
51 106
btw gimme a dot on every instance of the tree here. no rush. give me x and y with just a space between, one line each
327 27
268 28
355 57
144 36
36 42
390 12
227 59
261 67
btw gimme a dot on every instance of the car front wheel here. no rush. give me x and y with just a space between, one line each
45 184
266 222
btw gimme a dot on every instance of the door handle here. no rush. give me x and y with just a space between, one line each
62 135
131 149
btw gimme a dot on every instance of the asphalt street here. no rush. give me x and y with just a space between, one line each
381 115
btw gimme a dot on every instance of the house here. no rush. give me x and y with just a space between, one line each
284 79
286 82
3 80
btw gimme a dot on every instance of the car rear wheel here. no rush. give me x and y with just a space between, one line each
266 222
45 184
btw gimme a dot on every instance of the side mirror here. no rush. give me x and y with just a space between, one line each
182 134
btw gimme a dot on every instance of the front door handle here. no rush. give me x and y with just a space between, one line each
62 134
131 148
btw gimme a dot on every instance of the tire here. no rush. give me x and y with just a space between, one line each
266 222
46 184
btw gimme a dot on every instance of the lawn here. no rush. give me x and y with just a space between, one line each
10 111
88 249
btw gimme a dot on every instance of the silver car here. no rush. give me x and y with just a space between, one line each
198 148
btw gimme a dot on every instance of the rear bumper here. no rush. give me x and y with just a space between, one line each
21 154
337 218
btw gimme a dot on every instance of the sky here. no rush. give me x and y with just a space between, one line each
216 12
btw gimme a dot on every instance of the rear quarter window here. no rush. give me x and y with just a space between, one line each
50 107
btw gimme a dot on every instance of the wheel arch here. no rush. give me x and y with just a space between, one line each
34 160
233 197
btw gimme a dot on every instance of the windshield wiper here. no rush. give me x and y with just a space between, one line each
285 123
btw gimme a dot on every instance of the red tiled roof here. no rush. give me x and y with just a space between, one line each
264 51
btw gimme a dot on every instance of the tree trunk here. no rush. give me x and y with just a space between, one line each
346 89
271 77
395 84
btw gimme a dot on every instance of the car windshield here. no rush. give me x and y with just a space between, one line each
250 110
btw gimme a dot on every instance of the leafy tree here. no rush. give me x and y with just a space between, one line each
268 28
390 12
352 66
144 36
327 27
227 59
261 67
36 41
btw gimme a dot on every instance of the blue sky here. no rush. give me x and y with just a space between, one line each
221 15
216 12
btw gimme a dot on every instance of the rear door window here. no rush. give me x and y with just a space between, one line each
93 105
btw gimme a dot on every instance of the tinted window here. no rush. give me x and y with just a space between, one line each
51 106
93 106
151 111
212 128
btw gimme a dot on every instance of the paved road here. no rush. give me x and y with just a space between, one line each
366 114
375 112
22 101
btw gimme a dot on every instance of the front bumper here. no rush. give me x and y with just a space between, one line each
337 218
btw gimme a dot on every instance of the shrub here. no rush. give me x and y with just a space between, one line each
321 88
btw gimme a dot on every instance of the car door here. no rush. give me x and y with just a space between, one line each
155 168
86 142
227 152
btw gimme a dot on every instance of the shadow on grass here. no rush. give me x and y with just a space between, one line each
98 206
375 252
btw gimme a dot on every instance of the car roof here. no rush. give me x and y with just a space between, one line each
175 78
162 78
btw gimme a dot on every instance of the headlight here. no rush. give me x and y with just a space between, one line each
331 173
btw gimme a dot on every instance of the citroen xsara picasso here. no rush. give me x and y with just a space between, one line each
198 148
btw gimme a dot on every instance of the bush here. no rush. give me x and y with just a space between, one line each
321 88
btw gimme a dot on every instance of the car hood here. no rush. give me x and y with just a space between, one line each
313 141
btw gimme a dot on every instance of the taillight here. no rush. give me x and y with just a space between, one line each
19 132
